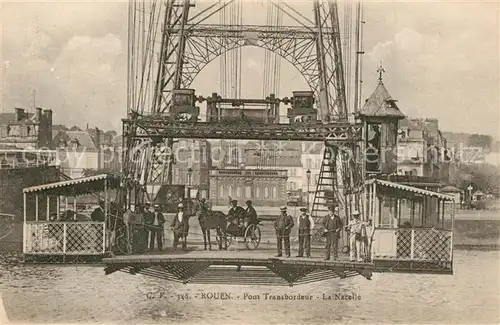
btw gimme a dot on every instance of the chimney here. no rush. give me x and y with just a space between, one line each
39 114
19 114
47 121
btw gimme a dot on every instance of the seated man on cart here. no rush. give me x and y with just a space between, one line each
251 214
236 217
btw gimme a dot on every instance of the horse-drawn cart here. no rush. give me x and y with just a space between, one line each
250 233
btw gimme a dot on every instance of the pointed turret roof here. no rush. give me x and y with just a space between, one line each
380 103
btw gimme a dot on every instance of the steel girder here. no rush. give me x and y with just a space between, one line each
339 133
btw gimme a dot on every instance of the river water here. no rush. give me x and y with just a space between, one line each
62 294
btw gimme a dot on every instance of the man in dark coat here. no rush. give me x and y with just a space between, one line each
98 213
332 225
305 224
251 214
180 226
283 226
236 213
155 221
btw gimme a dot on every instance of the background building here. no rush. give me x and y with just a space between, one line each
263 187
82 152
25 130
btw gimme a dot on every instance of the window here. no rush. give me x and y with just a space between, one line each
230 190
292 186
414 172
293 172
275 192
257 192
266 192
238 191
248 192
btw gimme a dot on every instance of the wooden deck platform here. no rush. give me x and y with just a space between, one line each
257 267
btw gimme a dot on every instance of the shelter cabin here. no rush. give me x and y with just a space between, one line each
413 228
380 116
56 227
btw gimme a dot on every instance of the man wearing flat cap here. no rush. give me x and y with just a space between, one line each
305 224
283 226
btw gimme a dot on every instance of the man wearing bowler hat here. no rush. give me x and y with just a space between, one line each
156 228
305 224
283 226
332 225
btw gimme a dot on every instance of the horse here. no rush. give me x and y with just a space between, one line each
212 220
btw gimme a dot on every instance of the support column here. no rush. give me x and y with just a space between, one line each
47 213
25 233
58 207
36 207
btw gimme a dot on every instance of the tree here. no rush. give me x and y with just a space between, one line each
482 177
480 140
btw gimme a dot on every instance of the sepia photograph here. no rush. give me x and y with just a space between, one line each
249 162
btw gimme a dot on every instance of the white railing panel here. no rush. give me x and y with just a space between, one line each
44 238
85 238
64 238
413 244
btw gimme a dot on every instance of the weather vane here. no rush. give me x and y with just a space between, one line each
380 71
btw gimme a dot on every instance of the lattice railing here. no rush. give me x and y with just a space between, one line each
421 245
67 238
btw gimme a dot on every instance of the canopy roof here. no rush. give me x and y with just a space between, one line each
410 189
78 186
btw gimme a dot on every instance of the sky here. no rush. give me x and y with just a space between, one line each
441 60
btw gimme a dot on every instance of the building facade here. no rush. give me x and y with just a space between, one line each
85 151
192 163
422 149
22 129
277 155
263 187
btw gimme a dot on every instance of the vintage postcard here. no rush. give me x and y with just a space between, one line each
249 162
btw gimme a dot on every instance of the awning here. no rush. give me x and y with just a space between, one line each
412 189
77 186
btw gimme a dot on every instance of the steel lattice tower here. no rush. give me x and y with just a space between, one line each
168 47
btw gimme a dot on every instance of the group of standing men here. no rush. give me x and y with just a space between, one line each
332 226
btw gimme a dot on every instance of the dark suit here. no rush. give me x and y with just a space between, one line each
283 225
98 215
180 228
156 231
237 213
333 228
251 215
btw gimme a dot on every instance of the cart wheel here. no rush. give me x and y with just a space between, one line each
252 237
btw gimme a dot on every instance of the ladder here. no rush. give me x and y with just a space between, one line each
326 190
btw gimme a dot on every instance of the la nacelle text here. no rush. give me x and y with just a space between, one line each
251 296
